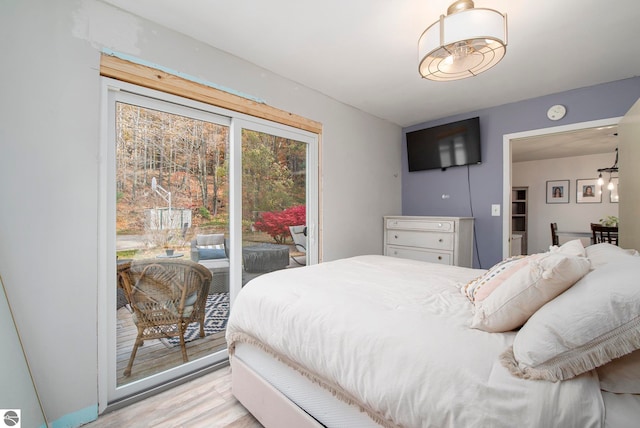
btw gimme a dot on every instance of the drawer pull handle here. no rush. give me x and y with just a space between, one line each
395 236
439 257
440 240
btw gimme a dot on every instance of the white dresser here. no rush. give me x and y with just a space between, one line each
446 240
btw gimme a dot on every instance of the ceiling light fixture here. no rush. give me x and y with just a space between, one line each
610 170
464 43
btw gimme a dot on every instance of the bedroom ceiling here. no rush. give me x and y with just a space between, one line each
364 52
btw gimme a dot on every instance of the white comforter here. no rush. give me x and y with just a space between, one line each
393 336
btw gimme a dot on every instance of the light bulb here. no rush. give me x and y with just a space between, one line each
600 180
610 185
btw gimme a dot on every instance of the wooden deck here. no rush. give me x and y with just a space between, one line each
212 404
154 356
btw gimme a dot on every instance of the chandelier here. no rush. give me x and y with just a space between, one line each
464 43
610 170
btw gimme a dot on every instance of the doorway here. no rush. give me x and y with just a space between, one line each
534 139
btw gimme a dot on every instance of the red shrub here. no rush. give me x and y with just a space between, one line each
276 224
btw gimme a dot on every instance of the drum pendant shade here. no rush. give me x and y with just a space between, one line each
464 43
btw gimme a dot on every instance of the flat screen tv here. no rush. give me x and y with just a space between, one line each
444 146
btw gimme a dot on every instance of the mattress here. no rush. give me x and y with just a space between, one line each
621 410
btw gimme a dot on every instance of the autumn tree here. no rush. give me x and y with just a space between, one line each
269 184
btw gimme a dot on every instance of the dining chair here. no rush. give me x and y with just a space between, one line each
604 234
554 234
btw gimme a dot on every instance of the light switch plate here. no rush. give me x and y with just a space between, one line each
495 210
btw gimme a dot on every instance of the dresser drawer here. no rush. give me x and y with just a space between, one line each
422 255
431 225
430 240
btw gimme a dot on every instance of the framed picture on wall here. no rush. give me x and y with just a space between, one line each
558 192
588 191
613 194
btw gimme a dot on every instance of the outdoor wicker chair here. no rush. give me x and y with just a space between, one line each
299 236
165 296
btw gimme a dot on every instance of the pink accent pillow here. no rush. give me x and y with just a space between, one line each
514 289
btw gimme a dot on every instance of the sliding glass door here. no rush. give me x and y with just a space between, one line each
184 181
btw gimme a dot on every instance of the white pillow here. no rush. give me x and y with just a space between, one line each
570 248
511 291
622 375
590 324
603 253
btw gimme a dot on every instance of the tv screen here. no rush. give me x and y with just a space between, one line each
444 146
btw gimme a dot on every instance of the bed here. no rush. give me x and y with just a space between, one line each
542 340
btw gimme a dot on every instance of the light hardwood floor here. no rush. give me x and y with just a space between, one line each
205 402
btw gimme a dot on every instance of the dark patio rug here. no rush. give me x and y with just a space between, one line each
215 320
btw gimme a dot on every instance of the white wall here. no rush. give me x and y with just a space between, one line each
49 137
570 217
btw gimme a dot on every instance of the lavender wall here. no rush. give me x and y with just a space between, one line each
422 192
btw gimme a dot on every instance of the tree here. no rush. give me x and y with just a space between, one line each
187 156
276 224
268 181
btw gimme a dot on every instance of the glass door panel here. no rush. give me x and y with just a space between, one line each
171 206
274 203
